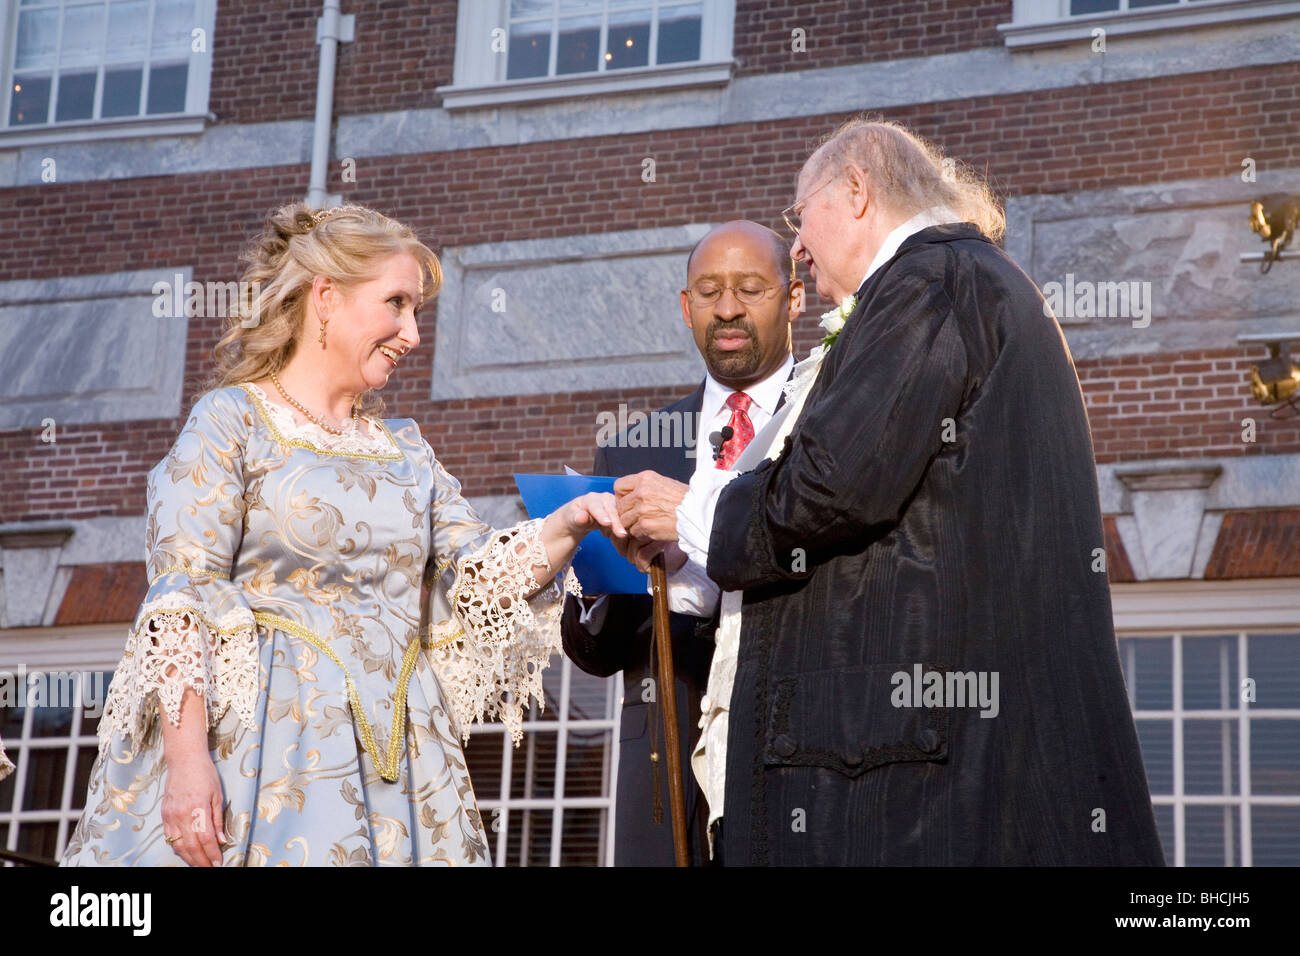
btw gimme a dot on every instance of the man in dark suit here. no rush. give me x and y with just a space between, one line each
739 302
916 604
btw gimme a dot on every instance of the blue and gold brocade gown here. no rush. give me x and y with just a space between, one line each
345 616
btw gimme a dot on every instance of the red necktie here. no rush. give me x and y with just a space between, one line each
742 429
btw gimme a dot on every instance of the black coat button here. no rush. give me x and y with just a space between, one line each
783 745
927 741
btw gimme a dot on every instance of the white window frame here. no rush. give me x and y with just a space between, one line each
191 121
1037 23
1187 610
478 74
501 810
79 649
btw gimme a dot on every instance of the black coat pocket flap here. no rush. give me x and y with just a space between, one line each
845 720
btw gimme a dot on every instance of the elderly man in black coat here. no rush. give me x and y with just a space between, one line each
923 666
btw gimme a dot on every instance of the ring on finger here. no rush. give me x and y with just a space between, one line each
170 840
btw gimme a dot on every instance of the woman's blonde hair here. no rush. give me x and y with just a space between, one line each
912 173
347 244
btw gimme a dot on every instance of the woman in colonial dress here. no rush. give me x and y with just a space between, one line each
326 614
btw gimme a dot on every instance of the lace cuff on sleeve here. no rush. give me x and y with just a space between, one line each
178 643
6 765
491 652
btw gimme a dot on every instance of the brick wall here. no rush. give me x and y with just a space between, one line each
405 49
1180 406
1055 141
838 32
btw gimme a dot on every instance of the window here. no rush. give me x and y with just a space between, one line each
53 745
1224 769
550 801
559 37
1081 7
71 63
1050 22
520 50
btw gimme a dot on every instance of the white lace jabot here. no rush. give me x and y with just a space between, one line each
364 437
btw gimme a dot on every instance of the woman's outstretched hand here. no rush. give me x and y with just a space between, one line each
594 511
599 511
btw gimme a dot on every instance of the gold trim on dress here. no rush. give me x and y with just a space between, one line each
299 443
387 767
191 570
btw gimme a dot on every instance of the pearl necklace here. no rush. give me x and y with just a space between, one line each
310 417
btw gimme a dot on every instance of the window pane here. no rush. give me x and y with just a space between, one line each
531 8
532 767
38 34
172 22
93 700
1275 756
1274 661
1157 740
1210 757
1135 4
530 50
629 40
529 840
30 102
39 839
1275 836
83 35
584 763
127 25
43 789
1213 836
1079 7
578 49
1165 827
1210 673
76 97
588 696
121 92
49 721
483 758
11 722
584 830
679 34
1150 678
167 88
552 687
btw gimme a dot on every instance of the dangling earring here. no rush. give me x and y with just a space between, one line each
321 338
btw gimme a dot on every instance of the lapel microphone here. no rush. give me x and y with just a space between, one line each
718 439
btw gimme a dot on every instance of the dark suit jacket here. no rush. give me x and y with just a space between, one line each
966 549
624 643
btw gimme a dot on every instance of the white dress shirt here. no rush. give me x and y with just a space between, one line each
690 590
695 525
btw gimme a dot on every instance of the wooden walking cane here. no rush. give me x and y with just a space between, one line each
668 700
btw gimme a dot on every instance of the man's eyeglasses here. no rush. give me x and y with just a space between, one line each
707 293
793 213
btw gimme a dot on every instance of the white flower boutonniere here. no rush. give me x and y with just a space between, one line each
805 372
833 321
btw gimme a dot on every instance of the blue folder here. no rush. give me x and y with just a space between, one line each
600 569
